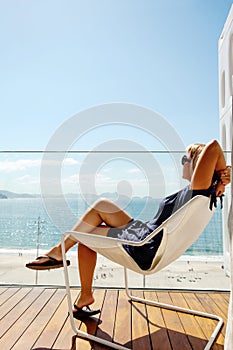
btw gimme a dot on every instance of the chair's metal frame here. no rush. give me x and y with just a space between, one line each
132 298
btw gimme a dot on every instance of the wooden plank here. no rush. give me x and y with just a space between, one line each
13 301
122 334
2 290
211 307
207 325
105 329
226 296
158 331
53 328
66 338
40 321
7 294
18 328
178 338
221 310
14 314
221 301
192 329
91 325
140 329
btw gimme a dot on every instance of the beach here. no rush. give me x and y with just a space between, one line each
192 273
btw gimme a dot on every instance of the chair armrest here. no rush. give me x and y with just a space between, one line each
92 240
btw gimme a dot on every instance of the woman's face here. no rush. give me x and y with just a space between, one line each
187 167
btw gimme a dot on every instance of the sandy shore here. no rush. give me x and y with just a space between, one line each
195 274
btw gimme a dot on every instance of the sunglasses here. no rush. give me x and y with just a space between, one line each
185 159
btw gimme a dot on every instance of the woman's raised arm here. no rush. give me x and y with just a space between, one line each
211 159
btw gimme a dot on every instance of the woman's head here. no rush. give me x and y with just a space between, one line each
193 152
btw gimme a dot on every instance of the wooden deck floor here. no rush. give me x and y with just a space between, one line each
36 318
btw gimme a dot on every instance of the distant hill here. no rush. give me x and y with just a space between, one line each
7 194
88 196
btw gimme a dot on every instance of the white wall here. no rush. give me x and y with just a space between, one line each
226 121
226 116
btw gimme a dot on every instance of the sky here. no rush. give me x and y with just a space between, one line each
59 58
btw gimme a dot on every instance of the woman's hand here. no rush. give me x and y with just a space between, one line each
225 176
219 189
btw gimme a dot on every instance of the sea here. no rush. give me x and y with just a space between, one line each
30 224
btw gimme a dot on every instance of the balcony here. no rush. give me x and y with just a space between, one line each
33 306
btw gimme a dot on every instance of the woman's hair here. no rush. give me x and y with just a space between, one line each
195 150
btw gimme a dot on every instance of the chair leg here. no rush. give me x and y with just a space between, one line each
180 309
70 307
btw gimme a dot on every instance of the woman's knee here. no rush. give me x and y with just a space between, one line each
102 204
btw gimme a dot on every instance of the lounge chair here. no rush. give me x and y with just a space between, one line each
179 233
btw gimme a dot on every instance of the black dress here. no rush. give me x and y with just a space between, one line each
137 230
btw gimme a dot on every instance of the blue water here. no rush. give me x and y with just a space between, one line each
25 223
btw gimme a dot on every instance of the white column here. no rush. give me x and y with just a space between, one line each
225 112
226 120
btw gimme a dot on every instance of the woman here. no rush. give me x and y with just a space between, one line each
200 165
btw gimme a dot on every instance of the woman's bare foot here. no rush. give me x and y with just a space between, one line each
86 298
51 260
54 253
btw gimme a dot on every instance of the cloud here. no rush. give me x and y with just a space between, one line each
102 179
20 164
23 164
27 180
73 179
70 161
134 171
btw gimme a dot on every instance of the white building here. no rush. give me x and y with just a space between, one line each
226 120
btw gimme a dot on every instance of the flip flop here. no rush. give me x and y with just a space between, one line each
51 263
82 314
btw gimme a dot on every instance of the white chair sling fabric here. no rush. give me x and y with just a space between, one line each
179 233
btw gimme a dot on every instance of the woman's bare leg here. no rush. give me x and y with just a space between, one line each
86 264
103 211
